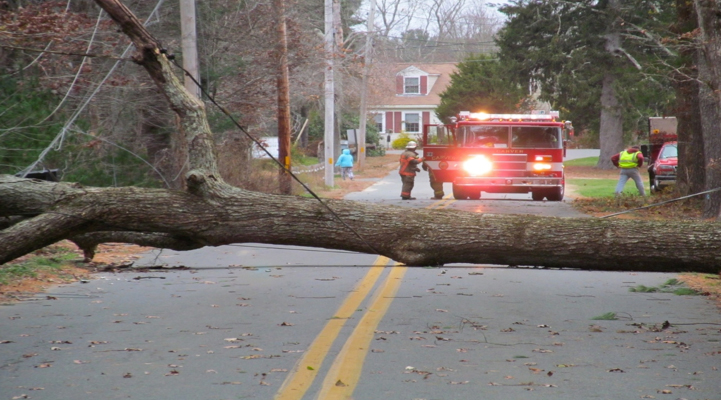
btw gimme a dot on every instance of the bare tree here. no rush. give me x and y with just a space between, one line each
396 15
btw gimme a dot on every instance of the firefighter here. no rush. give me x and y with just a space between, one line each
435 185
629 161
409 166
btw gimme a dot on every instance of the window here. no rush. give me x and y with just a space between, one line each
484 136
378 120
669 151
413 123
536 137
412 85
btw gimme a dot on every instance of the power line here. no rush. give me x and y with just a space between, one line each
257 142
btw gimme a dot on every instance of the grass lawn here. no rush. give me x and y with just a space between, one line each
601 183
603 187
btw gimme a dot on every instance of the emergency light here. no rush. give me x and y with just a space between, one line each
478 165
468 116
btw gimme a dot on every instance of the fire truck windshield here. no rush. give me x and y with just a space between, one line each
484 136
536 137
521 137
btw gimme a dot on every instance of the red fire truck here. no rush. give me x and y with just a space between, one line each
499 153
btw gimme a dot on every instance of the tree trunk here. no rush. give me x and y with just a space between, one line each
707 12
416 237
711 138
212 213
611 129
691 174
610 133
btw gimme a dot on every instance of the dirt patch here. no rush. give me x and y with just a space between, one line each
117 253
42 280
72 270
707 284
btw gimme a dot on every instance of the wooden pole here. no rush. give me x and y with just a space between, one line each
364 87
189 45
328 137
284 178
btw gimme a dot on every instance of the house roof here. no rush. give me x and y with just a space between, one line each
385 75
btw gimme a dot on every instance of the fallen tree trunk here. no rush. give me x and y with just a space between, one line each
180 220
212 213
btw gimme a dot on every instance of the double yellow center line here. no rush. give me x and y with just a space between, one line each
343 375
305 371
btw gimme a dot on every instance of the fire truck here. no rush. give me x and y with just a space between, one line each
499 153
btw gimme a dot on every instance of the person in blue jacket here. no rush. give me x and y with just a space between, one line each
345 162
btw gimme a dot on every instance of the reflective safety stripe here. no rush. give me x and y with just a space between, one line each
406 167
628 160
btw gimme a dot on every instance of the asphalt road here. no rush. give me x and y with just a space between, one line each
278 322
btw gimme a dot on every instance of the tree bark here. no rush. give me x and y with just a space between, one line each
416 237
611 129
212 213
691 173
711 137
611 121
707 12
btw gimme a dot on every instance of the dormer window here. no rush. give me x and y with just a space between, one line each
412 85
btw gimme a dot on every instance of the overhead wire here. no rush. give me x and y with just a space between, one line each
56 143
80 69
257 142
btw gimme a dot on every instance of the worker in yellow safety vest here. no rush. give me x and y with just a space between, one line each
629 161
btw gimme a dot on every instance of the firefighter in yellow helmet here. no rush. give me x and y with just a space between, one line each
409 166
629 161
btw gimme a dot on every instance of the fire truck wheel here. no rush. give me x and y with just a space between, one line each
474 195
459 193
538 195
555 194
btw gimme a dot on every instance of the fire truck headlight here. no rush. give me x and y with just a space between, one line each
541 167
478 165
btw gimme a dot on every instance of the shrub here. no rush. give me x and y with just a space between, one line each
401 142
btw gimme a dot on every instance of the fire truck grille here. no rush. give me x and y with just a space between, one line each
509 162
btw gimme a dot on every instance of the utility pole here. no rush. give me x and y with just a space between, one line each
284 178
364 86
329 94
189 46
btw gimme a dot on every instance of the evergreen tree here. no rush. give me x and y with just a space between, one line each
596 60
480 85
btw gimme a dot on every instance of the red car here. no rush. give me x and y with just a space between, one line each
662 170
